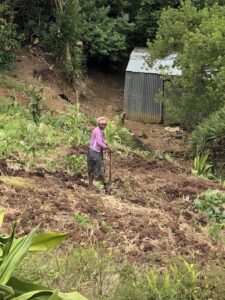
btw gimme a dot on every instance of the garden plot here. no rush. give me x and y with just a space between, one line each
149 216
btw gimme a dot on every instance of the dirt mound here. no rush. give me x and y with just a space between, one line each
157 138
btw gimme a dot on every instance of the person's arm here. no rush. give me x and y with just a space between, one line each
100 141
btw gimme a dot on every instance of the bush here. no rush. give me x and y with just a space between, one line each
62 38
76 164
201 168
210 134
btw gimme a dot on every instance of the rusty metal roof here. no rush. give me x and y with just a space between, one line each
140 63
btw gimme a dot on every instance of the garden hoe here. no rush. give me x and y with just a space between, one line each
108 186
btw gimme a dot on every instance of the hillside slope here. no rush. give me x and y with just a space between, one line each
148 217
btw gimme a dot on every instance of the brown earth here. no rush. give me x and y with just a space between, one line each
149 217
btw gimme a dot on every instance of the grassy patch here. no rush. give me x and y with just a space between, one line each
99 274
18 181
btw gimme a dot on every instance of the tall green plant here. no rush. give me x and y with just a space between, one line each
34 105
200 167
63 35
12 253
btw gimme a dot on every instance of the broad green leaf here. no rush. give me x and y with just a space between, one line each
46 294
47 241
1 216
15 256
26 289
21 286
41 294
54 296
9 242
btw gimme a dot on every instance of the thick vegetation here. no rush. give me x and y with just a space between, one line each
197 36
79 31
210 133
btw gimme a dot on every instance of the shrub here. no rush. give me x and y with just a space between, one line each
122 139
34 105
197 36
63 35
73 124
210 134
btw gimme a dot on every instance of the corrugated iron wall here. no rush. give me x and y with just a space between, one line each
139 97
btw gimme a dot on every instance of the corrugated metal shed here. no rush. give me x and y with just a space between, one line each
142 84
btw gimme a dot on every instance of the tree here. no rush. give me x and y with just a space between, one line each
9 40
198 37
105 37
148 16
62 36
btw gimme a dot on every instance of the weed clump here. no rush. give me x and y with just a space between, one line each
122 139
212 203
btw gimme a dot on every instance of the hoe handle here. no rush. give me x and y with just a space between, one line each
110 167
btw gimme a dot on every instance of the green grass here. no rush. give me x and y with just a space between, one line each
100 274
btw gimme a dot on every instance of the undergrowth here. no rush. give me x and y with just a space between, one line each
32 141
122 139
32 137
212 203
99 274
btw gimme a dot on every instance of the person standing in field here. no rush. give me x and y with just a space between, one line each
95 154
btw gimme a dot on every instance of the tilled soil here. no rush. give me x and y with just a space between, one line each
148 217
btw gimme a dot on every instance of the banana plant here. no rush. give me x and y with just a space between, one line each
12 253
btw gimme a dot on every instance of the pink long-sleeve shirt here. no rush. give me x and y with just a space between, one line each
97 141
